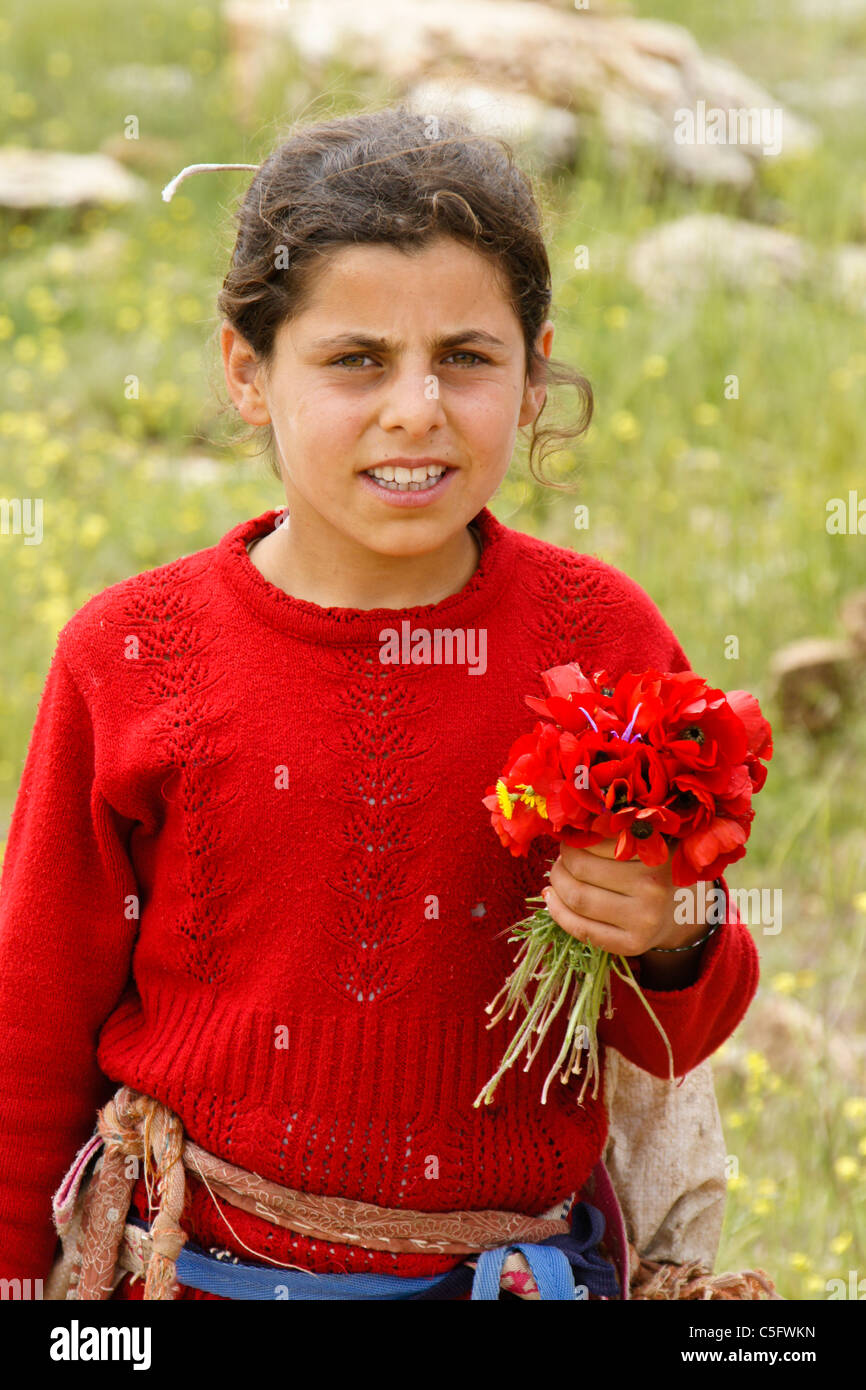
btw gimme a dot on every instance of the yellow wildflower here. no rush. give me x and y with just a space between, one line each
504 800
846 1168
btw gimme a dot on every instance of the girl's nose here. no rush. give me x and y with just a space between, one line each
411 401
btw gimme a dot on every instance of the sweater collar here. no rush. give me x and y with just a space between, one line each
352 625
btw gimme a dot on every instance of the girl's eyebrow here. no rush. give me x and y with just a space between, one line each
450 340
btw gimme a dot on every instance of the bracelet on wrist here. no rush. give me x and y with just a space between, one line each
672 950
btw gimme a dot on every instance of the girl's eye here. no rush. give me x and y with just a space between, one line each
348 357
465 352
359 357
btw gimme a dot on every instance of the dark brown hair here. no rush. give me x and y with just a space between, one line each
391 176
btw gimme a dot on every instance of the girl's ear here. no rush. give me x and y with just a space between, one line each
535 390
243 373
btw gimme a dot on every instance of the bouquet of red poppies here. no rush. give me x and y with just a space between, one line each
660 761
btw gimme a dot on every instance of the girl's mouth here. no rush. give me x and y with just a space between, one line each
406 491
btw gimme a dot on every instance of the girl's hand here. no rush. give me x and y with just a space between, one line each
622 905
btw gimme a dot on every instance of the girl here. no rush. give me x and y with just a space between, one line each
249 874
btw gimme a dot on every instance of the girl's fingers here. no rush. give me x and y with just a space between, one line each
599 865
614 939
596 903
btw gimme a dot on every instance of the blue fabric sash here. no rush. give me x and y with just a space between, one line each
565 1267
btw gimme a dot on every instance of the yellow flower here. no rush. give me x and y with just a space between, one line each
54 579
54 612
93 528
735 1119
60 260
655 366
814 1283
127 318
839 1244
21 105
624 426
840 379
846 1168
784 983
761 1207
42 303
798 1260
854 1108
504 800
189 308
859 901
706 413
616 316
26 349
532 800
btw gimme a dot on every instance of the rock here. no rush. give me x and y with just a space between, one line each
549 131
51 179
848 276
812 681
637 76
684 255
853 615
791 1037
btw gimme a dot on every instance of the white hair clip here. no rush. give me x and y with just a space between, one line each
170 188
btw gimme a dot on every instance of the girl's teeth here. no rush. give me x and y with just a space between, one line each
405 479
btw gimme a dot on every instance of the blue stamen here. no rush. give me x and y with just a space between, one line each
627 735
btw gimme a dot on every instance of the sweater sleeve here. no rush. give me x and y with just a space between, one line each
67 929
698 1018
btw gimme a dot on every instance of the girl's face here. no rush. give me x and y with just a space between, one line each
398 360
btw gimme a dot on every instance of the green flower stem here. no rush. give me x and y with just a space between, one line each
559 965
542 1028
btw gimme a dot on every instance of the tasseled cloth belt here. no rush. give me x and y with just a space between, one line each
549 1252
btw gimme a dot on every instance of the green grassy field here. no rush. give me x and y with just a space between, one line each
716 507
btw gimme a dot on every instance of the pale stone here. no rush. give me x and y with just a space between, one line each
634 74
515 116
684 255
48 178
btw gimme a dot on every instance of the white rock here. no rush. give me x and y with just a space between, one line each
636 74
515 116
848 276
48 178
684 255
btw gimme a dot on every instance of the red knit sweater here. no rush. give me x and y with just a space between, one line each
250 873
